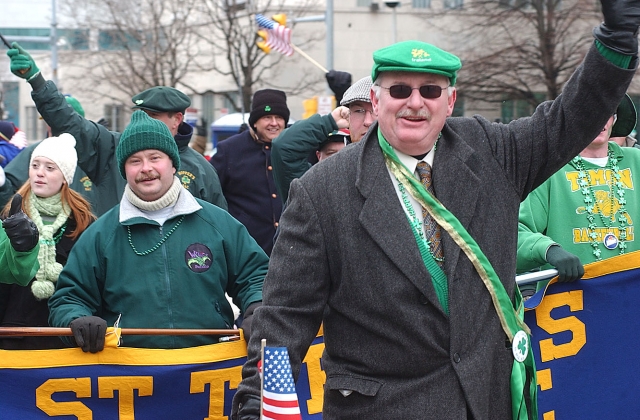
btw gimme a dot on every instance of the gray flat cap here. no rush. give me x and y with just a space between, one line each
359 91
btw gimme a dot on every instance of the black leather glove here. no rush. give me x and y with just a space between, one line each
568 265
247 318
89 332
249 408
20 230
339 82
619 31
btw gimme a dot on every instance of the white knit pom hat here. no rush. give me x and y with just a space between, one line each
62 151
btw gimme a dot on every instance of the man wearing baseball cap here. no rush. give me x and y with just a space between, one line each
160 259
96 145
291 152
403 246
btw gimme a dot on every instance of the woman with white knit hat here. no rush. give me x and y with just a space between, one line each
60 215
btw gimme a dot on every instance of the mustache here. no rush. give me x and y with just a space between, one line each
148 176
408 113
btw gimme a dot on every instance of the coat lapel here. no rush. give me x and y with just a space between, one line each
454 164
384 220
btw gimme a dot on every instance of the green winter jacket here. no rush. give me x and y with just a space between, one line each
17 267
290 151
178 283
96 147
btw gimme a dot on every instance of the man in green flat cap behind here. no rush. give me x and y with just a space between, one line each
96 145
410 271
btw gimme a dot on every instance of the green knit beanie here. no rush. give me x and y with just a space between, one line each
142 133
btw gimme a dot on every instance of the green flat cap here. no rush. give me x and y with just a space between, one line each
416 56
161 99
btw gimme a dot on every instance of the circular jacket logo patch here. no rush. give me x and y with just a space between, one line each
198 257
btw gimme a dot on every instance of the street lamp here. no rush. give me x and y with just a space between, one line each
393 5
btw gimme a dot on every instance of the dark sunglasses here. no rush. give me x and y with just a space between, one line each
404 91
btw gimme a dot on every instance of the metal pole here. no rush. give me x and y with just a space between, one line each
54 43
329 23
395 27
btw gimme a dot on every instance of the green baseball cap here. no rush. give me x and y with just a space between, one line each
416 56
626 120
161 99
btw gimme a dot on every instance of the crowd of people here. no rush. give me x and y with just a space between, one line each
396 227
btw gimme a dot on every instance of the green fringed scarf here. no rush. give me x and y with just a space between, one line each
511 315
47 275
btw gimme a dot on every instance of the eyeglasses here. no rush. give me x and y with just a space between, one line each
404 91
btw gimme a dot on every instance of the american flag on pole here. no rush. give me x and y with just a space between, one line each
279 397
279 37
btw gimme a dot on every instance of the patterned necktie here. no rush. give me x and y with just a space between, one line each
431 228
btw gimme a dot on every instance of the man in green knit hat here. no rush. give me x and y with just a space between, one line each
160 259
402 246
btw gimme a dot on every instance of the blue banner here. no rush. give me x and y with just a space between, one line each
585 343
142 384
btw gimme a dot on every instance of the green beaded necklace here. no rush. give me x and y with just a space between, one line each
156 246
584 181
56 238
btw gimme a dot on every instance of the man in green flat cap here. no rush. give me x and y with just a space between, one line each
96 145
410 271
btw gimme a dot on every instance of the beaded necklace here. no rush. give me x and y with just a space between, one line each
56 238
156 246
415 222
610 240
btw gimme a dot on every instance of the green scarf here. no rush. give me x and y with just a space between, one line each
511 315
44 284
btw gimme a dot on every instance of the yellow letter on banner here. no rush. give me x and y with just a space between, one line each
125 386
548 350
80 386
216 380
317 378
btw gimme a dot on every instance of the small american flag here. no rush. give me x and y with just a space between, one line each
279 37
279 397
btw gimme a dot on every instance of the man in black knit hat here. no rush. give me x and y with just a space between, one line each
243 163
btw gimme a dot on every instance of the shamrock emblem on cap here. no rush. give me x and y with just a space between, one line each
139 101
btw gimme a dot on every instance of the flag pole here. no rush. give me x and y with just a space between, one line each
263 344
305 55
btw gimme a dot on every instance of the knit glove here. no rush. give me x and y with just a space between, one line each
339 82
568 265
619 31
22 65
21 231
249 408
89 332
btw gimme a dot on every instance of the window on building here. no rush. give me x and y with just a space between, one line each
73 39
115 115
32 32
11 102
117 40
421 4
512 109
453 4
366 3
35 128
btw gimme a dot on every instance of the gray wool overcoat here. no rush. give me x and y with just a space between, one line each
346 257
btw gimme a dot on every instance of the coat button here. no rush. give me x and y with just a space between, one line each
423 300
270 167
276 224
273 195
456 357
266 147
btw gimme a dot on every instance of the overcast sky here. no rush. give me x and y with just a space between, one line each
25 13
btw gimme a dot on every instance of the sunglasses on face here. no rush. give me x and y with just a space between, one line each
404 91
